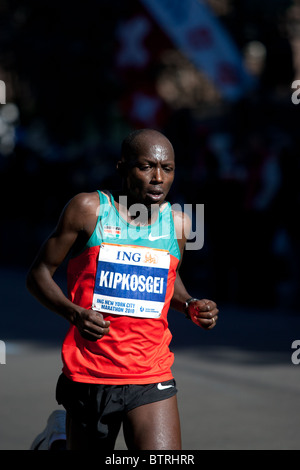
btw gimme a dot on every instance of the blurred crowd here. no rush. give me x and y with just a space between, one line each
241 159
247 180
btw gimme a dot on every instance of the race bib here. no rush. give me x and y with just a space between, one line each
131 280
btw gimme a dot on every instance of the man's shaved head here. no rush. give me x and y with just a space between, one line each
140 141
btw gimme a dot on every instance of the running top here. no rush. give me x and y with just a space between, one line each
127 273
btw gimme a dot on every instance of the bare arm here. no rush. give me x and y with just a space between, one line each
78 218
202 312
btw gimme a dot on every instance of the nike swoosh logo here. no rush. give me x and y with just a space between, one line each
152 239
163 387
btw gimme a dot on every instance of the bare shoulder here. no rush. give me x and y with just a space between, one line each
85 202
182 223
82 211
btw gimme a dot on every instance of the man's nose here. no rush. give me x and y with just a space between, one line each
157 175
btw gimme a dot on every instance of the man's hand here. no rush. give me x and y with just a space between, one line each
203 313
90 324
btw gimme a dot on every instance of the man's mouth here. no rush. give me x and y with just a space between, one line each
155 194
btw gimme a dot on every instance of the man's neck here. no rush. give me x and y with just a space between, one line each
135 212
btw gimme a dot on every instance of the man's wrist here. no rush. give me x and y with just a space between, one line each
72 312
187 304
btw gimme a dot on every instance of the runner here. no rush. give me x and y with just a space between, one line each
125 250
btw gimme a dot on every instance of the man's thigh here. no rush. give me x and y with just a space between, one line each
94 414
84 438
155 426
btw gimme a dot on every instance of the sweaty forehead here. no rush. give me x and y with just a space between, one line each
158 152
152 145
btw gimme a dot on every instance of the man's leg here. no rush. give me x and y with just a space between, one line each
94 415
82 438
154 426
76 437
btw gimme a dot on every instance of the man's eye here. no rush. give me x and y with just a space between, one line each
144 167
168 169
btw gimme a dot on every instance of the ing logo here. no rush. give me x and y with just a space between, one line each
150 258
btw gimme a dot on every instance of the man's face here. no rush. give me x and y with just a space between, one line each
150 175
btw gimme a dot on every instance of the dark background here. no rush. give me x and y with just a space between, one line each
70 107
